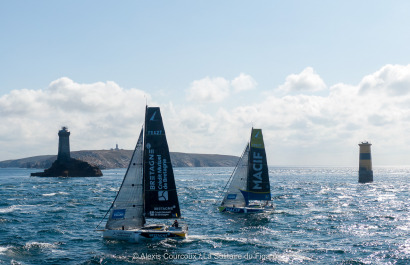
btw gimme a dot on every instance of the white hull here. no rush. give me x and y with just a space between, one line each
146 233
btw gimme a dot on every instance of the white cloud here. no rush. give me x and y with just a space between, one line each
98 115
212 90
306 81
390 79
310 129
208 90
243 82
299 129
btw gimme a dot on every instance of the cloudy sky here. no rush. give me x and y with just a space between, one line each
317 76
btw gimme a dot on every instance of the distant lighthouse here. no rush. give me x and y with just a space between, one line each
365 163
63 144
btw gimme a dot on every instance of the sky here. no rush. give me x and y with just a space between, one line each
317 76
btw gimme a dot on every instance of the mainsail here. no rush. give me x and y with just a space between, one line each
258 187
161 200
127 209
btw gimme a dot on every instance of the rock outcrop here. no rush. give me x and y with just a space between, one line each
70 168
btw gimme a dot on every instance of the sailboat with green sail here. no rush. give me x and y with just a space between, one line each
148 190
248 189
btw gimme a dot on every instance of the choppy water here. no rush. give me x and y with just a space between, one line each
323 216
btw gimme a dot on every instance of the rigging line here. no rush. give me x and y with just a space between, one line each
229 180
104 216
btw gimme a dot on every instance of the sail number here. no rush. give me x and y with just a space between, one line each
158 132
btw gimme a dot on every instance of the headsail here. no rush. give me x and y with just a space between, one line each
233 196
258 187
161 200
127 209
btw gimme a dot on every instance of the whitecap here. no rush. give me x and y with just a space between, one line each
403 227
40 245
3 250
49 194
55 193
289 257
8 209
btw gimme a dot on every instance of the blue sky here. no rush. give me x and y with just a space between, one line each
215 68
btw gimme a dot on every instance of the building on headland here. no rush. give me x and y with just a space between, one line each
116 148
365 163
65 166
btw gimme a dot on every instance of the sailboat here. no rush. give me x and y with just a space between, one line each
148 190
248 187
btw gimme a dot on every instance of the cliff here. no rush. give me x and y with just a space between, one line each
107 159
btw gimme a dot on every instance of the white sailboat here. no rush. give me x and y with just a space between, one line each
148 189
249 187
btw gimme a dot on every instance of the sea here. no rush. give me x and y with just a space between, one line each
322 216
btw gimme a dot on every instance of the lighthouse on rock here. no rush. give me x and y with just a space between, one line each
64 165
365 163
63 145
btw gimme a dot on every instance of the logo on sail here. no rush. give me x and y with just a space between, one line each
257 134
118 214
163 195
257 169
231 197
153 115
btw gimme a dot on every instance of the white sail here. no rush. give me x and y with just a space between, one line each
234 196
127 209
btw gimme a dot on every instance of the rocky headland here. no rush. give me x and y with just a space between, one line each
108 159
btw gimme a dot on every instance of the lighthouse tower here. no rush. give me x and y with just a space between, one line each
365 163
63 145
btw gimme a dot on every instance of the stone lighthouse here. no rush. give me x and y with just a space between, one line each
365 163
64 165
63 145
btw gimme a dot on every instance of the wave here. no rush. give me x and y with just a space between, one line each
39 245
55 193
218 241
8 209
3 250
16 207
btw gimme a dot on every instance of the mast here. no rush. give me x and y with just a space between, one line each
143 163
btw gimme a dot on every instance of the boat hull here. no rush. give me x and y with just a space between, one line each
137 235
245 209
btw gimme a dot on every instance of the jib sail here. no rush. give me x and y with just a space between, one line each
127 209
233 196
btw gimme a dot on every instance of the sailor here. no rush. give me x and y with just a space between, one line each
175 224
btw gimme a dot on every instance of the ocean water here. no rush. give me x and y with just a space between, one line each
323 216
